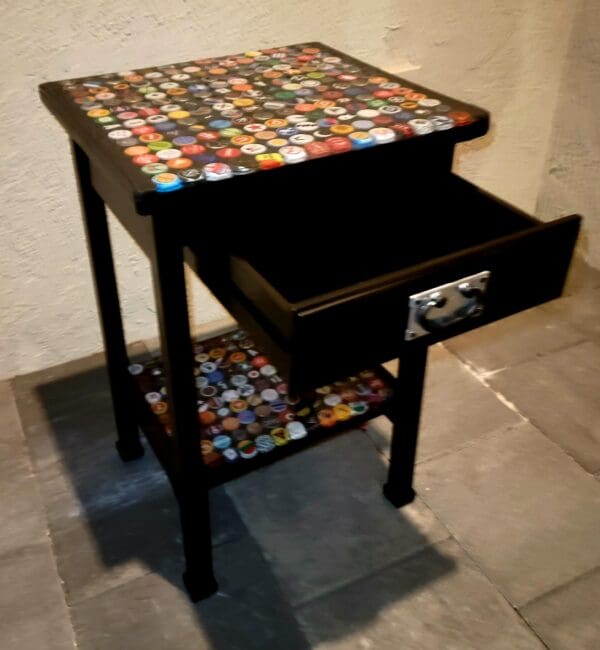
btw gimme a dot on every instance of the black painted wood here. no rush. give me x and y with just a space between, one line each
317 260
107 297
405 413
189 474
315 316
108 156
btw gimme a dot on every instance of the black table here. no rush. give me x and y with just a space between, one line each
358 246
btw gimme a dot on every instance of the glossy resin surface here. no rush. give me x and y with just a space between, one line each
212 119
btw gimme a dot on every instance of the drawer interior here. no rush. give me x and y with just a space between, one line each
330 292
342 244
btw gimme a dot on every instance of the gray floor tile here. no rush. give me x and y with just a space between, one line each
560 394
146 613
22 511
33 613
153 613
123 542
580 311
59 398
111 521
436 599
94 556
512 340
457 408
525 511
86 487
11 435
322 520
569 617
53 425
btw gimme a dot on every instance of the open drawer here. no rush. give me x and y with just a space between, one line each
343 293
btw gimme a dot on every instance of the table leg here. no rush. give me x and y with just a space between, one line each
405 415
189 479
107 296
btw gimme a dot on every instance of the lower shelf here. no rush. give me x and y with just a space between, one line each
246 417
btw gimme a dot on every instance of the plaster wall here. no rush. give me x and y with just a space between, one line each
504 55
570 179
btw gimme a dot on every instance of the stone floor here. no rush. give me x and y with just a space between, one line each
500 550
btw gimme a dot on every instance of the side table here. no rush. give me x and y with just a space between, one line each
358 246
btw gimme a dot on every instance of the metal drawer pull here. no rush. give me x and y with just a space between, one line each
433 310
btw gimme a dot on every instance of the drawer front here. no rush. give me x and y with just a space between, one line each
343 332
524 270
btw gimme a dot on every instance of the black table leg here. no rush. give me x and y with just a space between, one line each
107 296
405 414
189 481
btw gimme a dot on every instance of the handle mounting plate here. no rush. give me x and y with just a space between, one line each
440 306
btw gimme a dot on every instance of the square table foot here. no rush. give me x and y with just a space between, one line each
199 588
398 498
129 451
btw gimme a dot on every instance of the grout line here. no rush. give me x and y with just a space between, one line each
482 378
495 586
368 576
501 429
539 355
302 603
529 627
85 599
504 597
379 451
558 588
560 448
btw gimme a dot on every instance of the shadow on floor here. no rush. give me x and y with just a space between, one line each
115 533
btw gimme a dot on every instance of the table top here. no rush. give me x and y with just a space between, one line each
171 127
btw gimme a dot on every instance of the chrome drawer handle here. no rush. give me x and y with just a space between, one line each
472 307
433 310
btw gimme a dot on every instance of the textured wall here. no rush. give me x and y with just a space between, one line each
507 56
570 181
